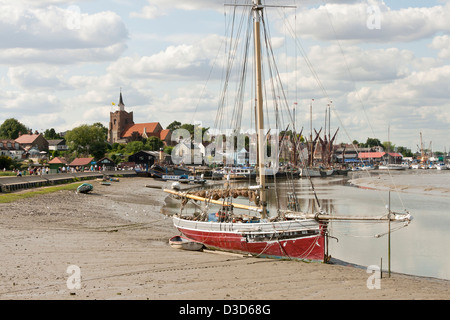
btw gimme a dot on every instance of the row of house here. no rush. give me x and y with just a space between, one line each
30 146
58 164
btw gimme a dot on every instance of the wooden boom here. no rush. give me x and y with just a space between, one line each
223 203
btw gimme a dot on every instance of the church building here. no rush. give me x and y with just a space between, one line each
122 128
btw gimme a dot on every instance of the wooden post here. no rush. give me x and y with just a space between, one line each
389 236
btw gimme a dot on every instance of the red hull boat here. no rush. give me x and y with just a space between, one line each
294 239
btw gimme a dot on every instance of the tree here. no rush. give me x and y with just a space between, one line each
10 129
154 144
5 162
372 142
404 151
134 146
98 149
101 126
82 138
388 146
174 125
50 134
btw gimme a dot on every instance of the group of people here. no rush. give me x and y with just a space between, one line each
32 171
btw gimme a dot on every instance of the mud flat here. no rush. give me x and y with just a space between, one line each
118 239
426 182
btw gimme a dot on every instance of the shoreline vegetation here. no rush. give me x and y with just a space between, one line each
29 193
118 238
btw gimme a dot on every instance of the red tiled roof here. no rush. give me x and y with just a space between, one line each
364 155
164 133
373 155
81 162
27 138
57 160
395 154
150 128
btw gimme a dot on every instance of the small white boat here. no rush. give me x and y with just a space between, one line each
179 242
392 167
441 166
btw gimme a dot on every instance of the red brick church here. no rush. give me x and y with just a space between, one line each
122 128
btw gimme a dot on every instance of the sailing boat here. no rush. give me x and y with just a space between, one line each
389 165
291 234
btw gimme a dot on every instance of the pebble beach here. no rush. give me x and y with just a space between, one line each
117 239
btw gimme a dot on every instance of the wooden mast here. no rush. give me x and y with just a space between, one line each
257 11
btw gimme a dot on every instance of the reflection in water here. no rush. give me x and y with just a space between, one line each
419 249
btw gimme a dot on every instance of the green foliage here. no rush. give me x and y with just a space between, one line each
168 149
101 126
174 125
10 129
6 162
6 198
388 146
83 139
98 149
134 146
372 142
153 144
50 134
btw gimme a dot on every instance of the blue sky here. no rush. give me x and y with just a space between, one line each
62 63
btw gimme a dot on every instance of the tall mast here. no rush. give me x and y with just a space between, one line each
257 12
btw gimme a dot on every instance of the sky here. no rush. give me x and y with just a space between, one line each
384 66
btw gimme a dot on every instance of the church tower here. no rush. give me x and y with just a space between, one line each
118 122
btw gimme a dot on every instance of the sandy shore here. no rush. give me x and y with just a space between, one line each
119 240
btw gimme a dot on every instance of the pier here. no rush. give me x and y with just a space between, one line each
10 184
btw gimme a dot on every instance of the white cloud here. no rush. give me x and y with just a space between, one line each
345 21
174 62
31 78
442 43
53 35
158 8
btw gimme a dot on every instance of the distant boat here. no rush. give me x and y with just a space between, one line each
310 172
392 166
441 166
85 188
179 242
364 168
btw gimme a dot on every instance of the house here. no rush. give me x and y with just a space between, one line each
188 153
122 128
12 149
82 164
144 130
348 153
36 155
166 137
30 140
144 159
56 163
57 145
381 157
106 164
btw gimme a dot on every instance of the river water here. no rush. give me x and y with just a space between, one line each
421 248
